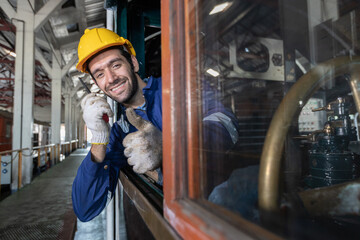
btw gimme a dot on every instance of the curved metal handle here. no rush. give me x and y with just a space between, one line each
275 138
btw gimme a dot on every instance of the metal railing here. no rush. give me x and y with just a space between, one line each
19 154
68 147
56 153
51 149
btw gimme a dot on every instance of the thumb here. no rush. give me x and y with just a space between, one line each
135 119
108 112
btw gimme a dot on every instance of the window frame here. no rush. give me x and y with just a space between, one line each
192 217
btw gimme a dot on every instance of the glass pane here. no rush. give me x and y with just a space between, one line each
250 55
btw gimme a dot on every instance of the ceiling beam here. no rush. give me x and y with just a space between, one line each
74 91
86 79
73 44
71 63
7 48
45 13
42 43
8 9
43 62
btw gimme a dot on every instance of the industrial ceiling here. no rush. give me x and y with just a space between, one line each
61 33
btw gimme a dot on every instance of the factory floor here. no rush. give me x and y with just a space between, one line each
43 209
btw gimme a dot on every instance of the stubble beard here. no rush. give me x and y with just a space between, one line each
130 93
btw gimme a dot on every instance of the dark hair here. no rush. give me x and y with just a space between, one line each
122 52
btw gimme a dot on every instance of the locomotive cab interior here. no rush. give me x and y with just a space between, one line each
288 71
290 78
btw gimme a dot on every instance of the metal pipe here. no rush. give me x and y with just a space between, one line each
110 208
20 170
270 163
152 36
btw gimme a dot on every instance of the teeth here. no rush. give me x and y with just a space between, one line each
114 89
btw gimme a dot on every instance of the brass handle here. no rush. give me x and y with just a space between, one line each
302 90
320 109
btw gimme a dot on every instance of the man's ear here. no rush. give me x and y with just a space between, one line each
135 63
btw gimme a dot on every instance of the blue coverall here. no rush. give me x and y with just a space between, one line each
95 183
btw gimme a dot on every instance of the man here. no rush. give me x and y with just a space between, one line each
114 71
136 137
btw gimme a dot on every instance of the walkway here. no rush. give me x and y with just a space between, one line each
43 209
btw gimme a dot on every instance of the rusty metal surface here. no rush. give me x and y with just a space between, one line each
337 200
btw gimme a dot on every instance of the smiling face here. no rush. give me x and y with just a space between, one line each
116 78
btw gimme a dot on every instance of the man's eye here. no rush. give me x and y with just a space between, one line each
99 75
116 65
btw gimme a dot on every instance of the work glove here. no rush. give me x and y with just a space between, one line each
94 108
143 148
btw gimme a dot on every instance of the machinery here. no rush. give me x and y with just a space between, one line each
330 159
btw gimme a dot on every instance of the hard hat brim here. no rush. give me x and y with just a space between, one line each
81 66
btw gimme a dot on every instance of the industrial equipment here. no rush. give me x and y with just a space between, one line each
330 159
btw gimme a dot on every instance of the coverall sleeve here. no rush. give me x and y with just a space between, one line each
220 134
95 183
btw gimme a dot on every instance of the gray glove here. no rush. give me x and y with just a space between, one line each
94 107
144 147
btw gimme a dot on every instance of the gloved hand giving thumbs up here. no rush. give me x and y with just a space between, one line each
94 108
144 147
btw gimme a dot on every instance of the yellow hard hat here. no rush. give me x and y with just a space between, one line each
97 39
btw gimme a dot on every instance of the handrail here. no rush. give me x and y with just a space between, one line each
65 148
55 154
10 151
270 162
42 146
19 152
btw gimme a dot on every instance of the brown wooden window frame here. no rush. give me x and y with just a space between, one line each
192 217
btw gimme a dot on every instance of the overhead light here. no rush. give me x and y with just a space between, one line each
212 72
220 8
11 53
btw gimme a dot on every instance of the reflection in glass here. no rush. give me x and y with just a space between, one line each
251 54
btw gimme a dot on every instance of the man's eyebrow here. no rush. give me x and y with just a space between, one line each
109 63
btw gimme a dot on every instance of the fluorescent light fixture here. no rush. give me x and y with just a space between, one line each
10 52
220 8
212 72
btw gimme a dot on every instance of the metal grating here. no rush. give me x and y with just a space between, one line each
38 231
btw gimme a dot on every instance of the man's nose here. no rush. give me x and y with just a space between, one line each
110 75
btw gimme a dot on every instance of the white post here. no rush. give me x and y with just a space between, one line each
110 209
18 88
24 89
56 102
67 115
